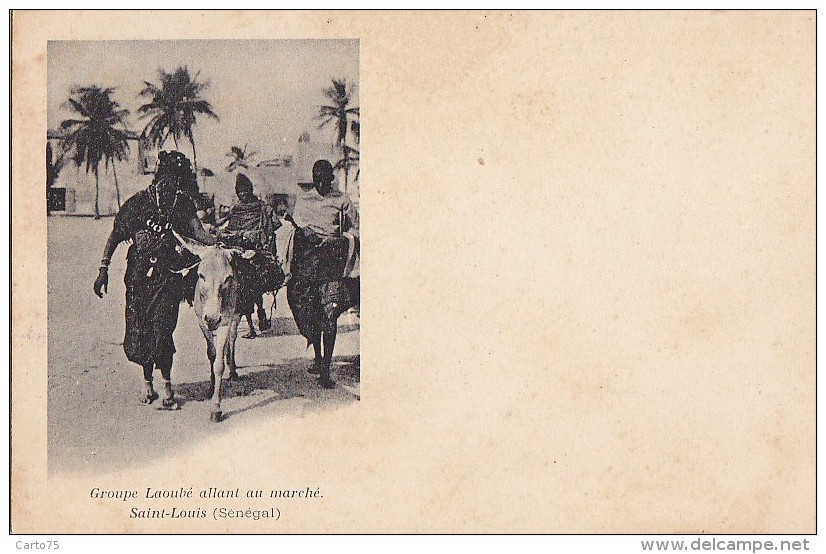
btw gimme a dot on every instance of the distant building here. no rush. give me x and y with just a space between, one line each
133 174
281 174
278 175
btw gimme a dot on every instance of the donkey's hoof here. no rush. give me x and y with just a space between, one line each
233 376
216 416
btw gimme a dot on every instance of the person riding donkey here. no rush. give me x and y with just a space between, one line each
323 281
251 226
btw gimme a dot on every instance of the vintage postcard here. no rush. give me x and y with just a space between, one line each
413 272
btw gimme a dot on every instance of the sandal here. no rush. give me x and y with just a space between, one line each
170 404
149 394
147 398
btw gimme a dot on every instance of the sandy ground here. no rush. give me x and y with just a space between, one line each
95 422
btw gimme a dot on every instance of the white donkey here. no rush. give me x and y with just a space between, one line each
217 307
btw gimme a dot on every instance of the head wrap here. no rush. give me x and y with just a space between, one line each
175 167
242 182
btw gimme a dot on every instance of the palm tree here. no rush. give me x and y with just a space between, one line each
205 172
174 104
99 136
350 160
339 112
240 158
355 156
118 154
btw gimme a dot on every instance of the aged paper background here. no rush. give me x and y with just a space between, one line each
588 281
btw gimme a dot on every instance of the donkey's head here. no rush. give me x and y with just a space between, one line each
216 293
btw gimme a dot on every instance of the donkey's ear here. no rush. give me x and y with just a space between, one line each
192 245
246 254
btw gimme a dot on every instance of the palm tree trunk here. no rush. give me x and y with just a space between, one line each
346 164
117 188
97 193
194 155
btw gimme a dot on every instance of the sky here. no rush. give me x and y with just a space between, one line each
265 92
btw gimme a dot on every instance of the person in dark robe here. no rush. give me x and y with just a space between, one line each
155 264
318 293
251 226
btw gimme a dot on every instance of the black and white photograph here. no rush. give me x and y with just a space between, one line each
203 240
585 301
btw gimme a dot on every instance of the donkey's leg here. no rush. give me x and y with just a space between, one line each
210 345
233 334
221 336
251 334
315 368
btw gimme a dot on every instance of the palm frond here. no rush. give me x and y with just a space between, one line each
175 105
340 111
102 135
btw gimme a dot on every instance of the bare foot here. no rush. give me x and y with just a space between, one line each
147 398
149 395
169 404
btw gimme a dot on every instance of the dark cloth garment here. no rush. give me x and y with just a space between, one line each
251 227
256 276
317 293
267 272
317 306
136 220
153 289
151 315
319 261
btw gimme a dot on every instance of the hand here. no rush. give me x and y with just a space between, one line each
250 236
310 236
102 282
308 233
